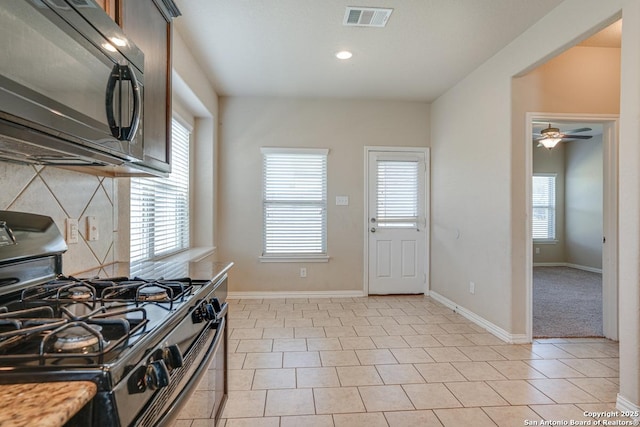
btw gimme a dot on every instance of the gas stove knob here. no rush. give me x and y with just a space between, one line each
204 312
172 357
156 375
216 304
199 313
210 312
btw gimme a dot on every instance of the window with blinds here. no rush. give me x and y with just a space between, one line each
294 202
544 207
160 206
397 188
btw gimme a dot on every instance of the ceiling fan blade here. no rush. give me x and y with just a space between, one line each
577 130
577 136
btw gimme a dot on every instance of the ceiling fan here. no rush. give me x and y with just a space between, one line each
550 136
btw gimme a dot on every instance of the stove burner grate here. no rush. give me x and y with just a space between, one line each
154 293
68 340
78 338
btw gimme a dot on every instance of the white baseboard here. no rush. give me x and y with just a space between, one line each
567 264
624 404
480 321
295 294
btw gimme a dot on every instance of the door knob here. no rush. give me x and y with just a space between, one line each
373 229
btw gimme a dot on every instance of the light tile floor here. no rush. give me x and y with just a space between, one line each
401 361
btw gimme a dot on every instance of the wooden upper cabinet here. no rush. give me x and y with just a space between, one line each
149 25
109 6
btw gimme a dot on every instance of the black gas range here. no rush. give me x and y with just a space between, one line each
145 343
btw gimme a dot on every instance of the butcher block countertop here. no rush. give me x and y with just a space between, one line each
43 404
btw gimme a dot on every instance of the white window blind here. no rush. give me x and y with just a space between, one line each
544 207
397 193
160 206
294 202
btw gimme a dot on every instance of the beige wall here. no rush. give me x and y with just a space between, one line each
478 197
195 101
580 80
629 208
579 196
345 128
193 92
583 203
490 190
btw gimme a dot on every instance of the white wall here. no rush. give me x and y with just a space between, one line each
343 126
478 188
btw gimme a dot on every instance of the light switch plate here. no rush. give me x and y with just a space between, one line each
72 231
342 200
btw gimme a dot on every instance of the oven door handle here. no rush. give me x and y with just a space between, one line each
171 412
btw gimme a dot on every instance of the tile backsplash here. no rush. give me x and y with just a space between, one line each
63 194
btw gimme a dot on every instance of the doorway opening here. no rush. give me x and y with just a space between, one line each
572 286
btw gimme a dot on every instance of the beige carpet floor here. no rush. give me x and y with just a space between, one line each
566 303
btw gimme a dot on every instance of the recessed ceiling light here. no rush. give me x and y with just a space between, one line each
344 54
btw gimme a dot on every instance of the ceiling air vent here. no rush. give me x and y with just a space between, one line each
366 17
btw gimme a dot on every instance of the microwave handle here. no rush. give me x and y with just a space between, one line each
119 73
128 133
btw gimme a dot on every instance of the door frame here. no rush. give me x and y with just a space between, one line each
427 189
610 134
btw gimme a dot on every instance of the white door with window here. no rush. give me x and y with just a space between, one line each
397 223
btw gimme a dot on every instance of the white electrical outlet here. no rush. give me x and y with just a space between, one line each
92 228
472 288
303 272
72 231
342 200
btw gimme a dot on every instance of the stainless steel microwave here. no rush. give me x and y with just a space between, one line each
71 85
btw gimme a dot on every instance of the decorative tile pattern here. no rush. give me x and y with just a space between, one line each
344 365
63 194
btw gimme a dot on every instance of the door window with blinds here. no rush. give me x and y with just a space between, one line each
544 207
160 206
294 203
398 184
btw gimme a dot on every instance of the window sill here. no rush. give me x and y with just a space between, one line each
545 242
294 258
188 255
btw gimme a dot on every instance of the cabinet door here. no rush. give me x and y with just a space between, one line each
150 30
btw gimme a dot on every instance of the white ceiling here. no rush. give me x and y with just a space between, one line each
287 47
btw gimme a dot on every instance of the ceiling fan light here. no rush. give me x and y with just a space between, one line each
549 143
551 132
